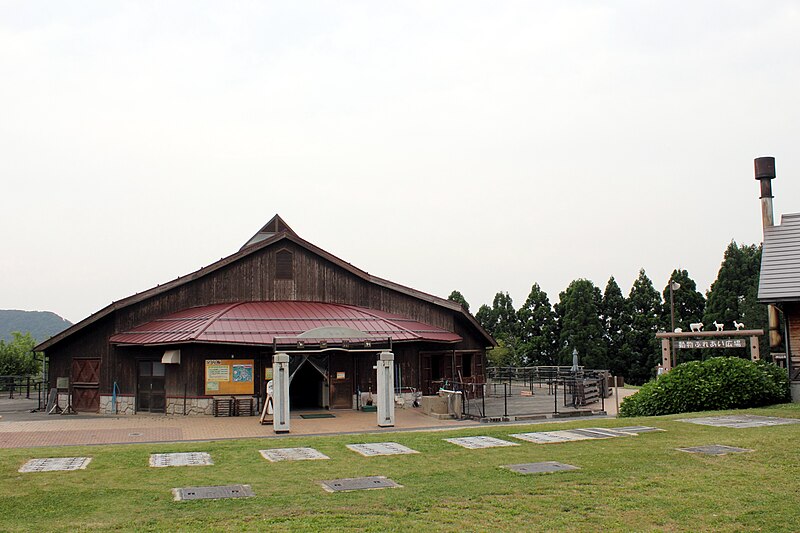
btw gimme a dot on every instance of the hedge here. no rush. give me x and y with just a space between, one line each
713 384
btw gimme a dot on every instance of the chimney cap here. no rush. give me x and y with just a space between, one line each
765 167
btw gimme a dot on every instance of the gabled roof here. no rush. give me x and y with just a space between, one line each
274 226
285 234
780 261
261 323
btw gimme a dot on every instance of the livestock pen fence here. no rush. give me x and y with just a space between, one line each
537 391
20 386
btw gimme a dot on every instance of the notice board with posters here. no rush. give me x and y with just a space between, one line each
229 376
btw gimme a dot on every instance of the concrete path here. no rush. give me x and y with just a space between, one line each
21 429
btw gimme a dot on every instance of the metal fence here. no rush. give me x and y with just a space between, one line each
28 387
519 392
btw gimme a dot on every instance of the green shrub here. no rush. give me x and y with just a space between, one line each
713 384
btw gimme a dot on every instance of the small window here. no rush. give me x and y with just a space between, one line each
284 265
158 369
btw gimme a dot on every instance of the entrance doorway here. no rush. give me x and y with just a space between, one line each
151 396
308 382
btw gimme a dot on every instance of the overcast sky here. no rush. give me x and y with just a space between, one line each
478 146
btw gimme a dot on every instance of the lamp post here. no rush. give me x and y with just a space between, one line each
673 286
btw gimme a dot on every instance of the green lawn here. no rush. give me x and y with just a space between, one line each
631 483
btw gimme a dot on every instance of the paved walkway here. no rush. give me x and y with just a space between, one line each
21 429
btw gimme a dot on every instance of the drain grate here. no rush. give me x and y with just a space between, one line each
292 454
540 468
476 443
714 449
381 448
213 493
159 460
55 464
740 421
359 483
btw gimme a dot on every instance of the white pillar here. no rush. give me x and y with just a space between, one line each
280 385
386 389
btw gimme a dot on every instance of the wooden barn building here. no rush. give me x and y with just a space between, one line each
213 333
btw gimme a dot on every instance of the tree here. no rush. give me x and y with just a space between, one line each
616 324
502 323
485 318
733 295
642 347
578 312
456 296
537 329
17 357
689 305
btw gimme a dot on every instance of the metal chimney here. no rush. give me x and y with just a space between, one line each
765 173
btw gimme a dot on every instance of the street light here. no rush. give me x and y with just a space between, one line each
673 286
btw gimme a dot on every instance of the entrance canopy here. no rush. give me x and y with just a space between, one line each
262 323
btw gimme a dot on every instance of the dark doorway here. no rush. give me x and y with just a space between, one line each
307 388
151 396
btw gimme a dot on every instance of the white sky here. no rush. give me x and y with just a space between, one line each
478 146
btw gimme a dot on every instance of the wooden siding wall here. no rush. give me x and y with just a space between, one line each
793 312
253 278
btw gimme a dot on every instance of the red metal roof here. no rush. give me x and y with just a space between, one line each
262 322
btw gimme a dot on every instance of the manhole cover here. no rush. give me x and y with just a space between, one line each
637 429
180 459
55 464
740 421
540 468
359 483
474 443
380 448
213 493
292 454
714 449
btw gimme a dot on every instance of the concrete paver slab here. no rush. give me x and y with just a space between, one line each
55 464
292 454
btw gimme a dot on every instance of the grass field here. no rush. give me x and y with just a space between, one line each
632 483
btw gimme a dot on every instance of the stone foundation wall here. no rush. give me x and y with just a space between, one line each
194 406
126 405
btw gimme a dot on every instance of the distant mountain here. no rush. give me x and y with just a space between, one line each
41 324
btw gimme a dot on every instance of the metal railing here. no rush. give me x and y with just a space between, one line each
20 386
525 391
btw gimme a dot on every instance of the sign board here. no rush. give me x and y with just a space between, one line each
721 343
268 373
229 376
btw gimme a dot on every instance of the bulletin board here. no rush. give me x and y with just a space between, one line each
229 376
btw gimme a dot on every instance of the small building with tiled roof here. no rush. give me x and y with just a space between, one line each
212 334
779 279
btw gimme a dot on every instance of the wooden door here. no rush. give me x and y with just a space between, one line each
150 391
341 380
85 381
426 374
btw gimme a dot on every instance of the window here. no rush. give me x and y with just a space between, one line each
284 265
